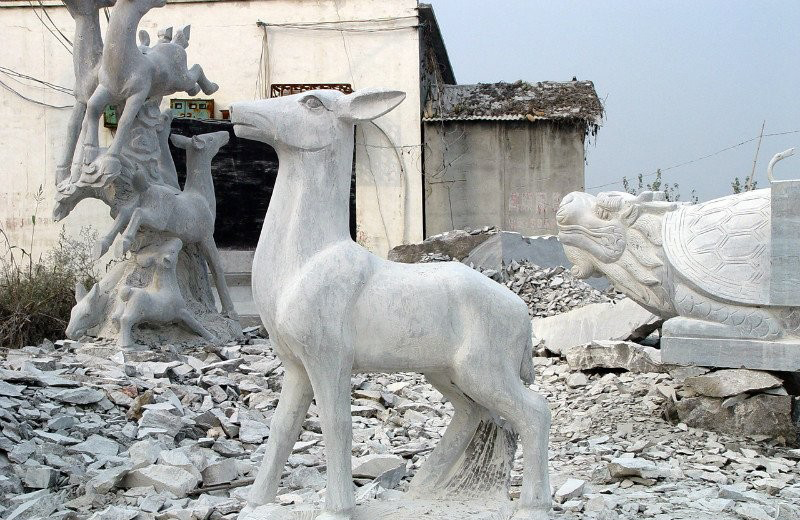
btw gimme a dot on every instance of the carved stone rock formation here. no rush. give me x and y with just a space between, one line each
725 273
332 308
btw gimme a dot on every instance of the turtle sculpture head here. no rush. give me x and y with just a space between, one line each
618 235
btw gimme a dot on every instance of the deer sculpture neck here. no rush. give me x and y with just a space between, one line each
309 207
121 39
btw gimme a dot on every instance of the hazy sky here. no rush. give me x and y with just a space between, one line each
680 79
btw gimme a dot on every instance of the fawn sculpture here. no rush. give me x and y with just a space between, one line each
189 214
127 75
332 308
87 50
161 301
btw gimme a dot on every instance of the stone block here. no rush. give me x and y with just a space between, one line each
726 383
732 353
620 320
615 354
176 480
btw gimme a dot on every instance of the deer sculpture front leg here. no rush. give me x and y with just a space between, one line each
296 395
91 123
330 372
73 133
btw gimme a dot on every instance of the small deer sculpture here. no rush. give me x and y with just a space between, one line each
127 75
161 301
90 305
87 49
332 308
189 214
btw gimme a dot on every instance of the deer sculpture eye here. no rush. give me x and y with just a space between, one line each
312 102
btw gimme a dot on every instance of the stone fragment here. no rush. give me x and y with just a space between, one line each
577 380
253 432
97 445
108 479
81 395
752 512
387 469
305 477
115 513
614 321
615 354
572 488
726 383
145 452
40 477
176 480
635 467
220 472
9 390
761 414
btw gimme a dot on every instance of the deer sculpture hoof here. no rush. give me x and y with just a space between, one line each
525 513
211 89
90 153
109 165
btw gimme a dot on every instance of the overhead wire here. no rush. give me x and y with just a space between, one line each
707 156
26 98
13 73
33 8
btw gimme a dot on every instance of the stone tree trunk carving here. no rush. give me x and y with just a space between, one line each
168 231
332 308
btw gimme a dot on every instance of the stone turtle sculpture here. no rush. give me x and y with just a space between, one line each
718 271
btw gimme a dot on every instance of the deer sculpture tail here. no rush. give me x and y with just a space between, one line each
125 293
526 371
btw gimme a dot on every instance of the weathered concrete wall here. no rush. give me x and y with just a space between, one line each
229 45
510 174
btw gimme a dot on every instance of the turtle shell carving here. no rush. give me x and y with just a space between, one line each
723 246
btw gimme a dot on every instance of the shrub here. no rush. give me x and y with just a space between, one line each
36 296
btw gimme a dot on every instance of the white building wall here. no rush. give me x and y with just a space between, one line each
229 45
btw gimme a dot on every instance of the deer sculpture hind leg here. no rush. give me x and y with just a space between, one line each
64 167
91 123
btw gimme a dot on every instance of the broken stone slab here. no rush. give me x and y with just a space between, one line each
221 472
108 479
97 445
572 488
41 477
9 390
627 467
761 414
455 244
783 355
615 355
39 504
387 469
80 395
253 432
613 321
162 478
115 513
727 383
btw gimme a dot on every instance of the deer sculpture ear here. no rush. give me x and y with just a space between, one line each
80 291
198 143
180 141
370 103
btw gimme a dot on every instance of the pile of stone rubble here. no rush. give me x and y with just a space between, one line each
546 290
87 432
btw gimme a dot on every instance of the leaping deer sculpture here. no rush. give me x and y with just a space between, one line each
332 308
127 75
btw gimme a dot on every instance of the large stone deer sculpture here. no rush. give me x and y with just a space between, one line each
332 308
87 49
127 75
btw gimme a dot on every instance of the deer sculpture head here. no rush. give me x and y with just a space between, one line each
310 121
86 7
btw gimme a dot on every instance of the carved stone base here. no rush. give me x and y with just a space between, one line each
733 353
195 287
396 510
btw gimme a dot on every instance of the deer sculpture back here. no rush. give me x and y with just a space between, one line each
332 308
